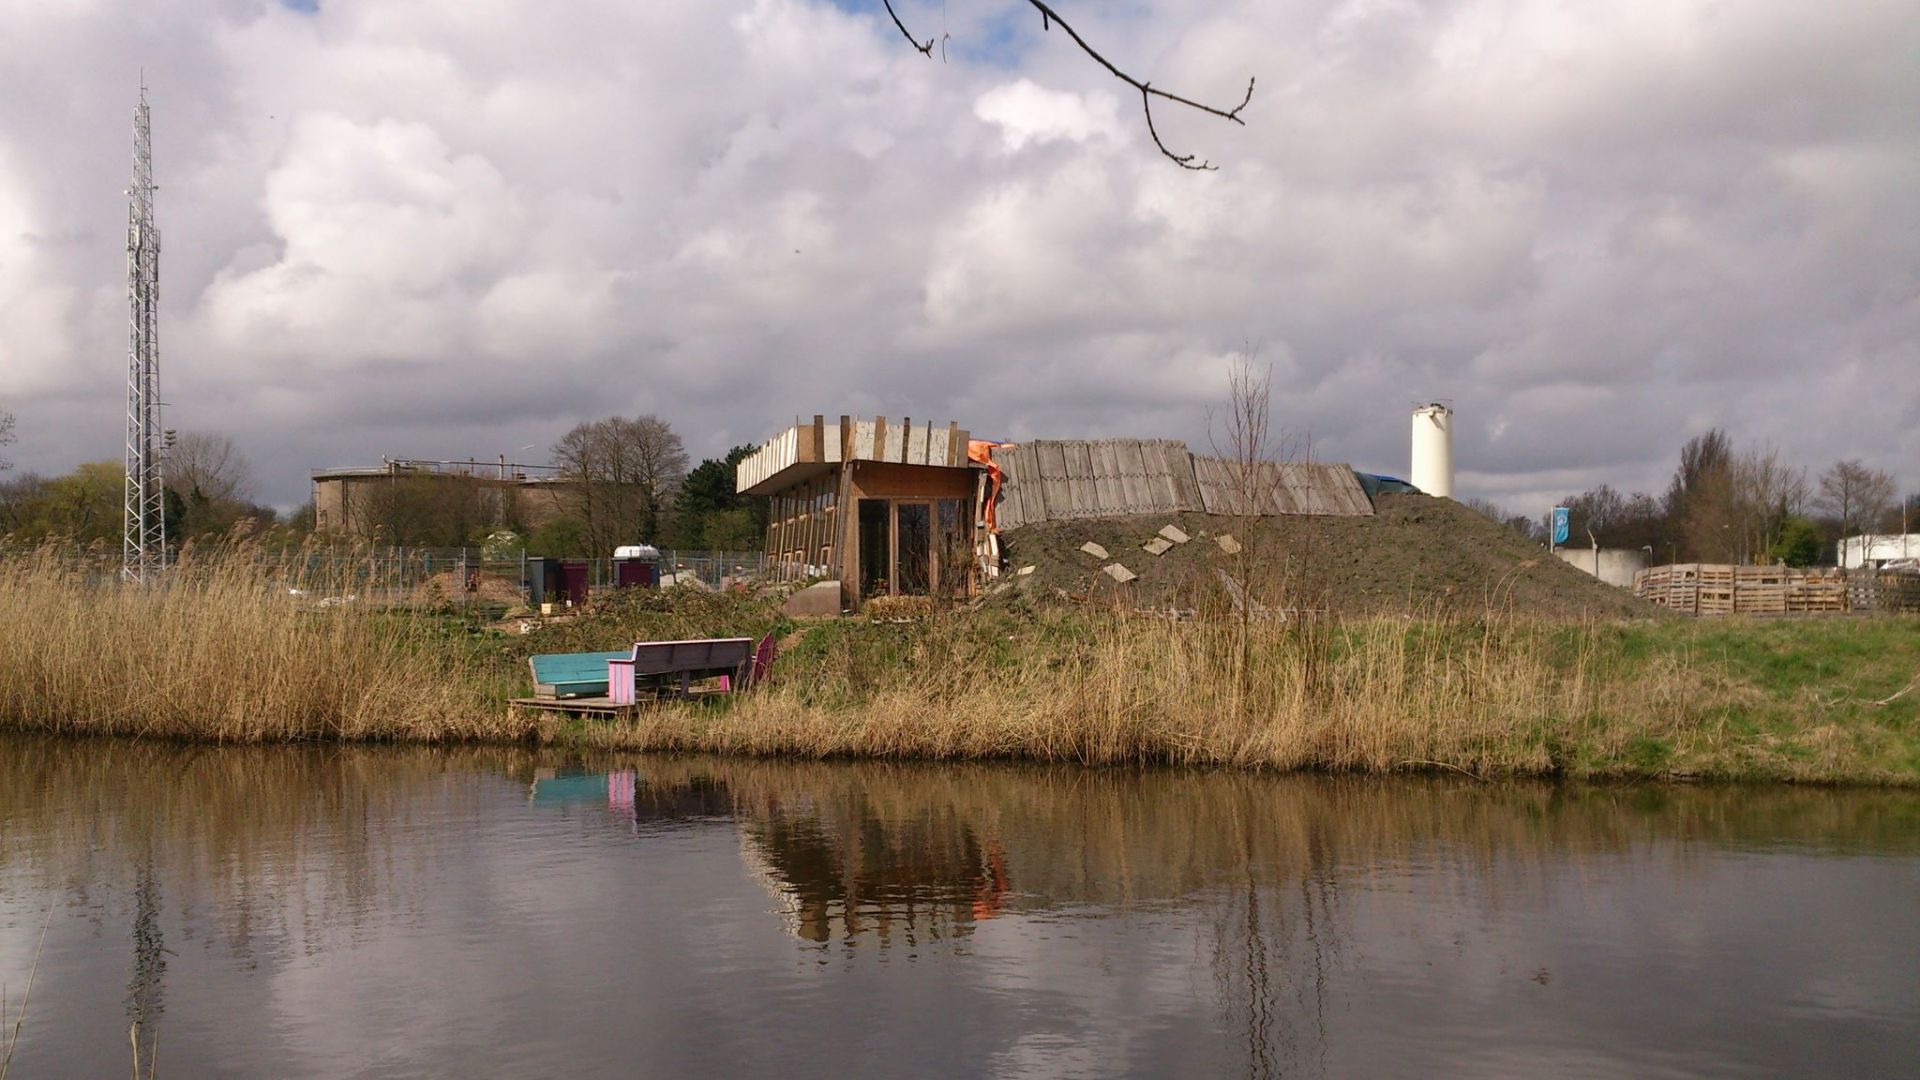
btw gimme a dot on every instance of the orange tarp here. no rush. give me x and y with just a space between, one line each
981 450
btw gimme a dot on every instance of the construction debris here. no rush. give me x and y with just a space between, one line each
1119 573
1173 533
1157 546
1024 571
1241 601
1094 550
1227 543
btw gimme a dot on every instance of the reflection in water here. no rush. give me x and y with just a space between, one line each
1154 921
146 997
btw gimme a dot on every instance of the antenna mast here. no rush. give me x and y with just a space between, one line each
144 542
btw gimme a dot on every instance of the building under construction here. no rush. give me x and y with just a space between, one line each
912 508
885 507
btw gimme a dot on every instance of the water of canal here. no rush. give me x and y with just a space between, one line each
328 912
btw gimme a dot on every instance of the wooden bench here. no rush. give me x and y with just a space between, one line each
674 665
564 675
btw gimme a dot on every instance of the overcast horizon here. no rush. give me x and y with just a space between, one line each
415 228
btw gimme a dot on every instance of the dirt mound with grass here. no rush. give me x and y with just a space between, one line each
1415 554
475 587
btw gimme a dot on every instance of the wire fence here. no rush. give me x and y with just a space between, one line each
459 576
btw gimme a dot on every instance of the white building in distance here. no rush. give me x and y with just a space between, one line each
1869 552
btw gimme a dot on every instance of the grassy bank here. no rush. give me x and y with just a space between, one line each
227 653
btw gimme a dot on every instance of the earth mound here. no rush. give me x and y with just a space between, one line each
1415 554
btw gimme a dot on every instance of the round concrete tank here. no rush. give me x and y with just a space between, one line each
1432 470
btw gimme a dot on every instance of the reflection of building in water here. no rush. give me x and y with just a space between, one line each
839 871
846 875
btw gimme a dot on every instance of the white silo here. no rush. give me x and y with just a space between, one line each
1432 470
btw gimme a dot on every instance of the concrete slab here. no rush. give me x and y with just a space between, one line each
1227 543
1118 573
1175 534
1157 546
1094 550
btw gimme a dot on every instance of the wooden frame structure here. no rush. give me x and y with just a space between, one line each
864 501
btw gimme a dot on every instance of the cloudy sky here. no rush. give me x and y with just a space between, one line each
442 228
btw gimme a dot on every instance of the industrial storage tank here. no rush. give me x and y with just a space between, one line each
1432 470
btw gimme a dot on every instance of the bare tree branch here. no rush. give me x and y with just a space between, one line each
1184 161
1048 17
925 50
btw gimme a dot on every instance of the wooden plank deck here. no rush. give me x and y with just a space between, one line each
602 706
579 706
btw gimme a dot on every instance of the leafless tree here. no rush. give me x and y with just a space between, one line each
1049 18
1855 496
427 509
1766 491
6 437
209 486
1249 428
621 475
209 466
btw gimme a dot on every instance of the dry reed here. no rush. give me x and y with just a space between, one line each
1483 696
243 646
238 644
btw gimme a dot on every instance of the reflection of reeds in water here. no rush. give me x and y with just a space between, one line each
14 1019
891 856
244 832
292 843
225 649
1121 839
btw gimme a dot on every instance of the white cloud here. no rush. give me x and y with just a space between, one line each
425 228
1028 113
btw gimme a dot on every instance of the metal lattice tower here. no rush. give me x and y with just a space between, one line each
144 542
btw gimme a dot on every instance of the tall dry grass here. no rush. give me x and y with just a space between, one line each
1481 696
238 644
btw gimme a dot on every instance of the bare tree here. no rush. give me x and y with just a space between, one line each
6 437
1048 19
620 475
209 486
1766 492
1249 449
209 466
1854 496
1249 431
427 509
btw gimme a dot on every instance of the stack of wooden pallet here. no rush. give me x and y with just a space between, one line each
1818 592
1760 590
1675 586
1717 587
1882 591
1709 589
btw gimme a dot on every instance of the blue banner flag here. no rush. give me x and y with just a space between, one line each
1559 524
